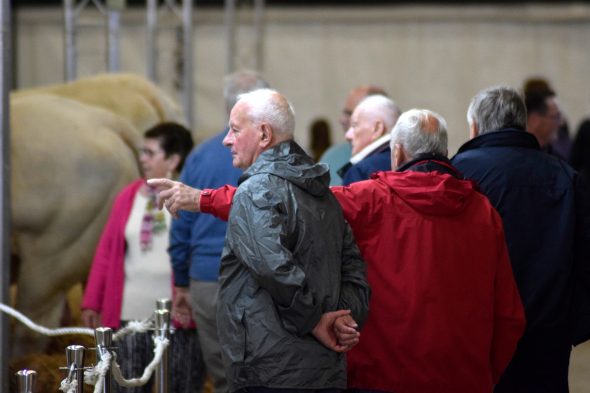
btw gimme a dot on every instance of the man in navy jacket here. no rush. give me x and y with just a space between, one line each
369 135
547 229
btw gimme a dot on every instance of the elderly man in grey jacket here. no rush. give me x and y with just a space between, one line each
290 267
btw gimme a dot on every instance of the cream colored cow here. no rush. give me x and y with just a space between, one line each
73 148
131 96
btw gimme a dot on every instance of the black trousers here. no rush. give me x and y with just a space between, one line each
185 362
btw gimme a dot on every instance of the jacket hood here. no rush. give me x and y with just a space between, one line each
432 193
290 162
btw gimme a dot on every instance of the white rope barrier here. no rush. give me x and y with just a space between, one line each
160 346
96 376
68 387
134 327
41 329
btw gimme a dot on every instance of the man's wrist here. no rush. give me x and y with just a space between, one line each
198 200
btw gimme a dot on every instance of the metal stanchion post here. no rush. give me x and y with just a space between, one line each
164 304
75 365
104 340
25 381
162 330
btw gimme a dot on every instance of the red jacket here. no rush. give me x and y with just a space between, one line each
445 314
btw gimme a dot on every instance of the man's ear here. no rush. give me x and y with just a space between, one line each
473 130
378 129
266 135
399 156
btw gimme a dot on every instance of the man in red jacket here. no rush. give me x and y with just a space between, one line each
445 314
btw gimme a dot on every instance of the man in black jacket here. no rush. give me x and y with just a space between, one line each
290 266
547 229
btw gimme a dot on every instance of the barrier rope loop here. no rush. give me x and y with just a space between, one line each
41 329
96 375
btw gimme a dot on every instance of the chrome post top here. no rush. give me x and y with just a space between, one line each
164 304
25 380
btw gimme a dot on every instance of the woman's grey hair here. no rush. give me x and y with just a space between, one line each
420 131
496 108
269 106
238 83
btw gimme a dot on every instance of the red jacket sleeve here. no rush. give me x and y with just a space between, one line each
217 202
509 319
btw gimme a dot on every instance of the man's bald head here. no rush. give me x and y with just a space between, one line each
374 117
355 96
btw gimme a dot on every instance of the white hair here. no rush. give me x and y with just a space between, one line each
420 131
381 107
269 106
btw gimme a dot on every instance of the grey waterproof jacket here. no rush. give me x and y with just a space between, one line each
289 257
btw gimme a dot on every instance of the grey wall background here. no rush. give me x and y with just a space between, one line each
435 57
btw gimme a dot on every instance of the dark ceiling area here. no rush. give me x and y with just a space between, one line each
305 3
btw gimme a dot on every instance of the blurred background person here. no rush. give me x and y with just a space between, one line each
131 267
321 137
542 104
338 155
580 157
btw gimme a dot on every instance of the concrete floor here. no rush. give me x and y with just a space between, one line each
580 369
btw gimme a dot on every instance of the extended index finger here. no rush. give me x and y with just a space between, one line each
161 183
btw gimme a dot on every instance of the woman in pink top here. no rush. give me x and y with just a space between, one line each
131 267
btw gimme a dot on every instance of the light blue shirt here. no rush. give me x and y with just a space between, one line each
336 157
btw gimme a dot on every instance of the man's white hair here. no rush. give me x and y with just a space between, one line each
269 106
420 131
381 107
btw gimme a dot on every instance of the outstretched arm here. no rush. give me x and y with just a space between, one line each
177 196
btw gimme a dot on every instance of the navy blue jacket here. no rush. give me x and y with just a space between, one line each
378 161
540 200
196 240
